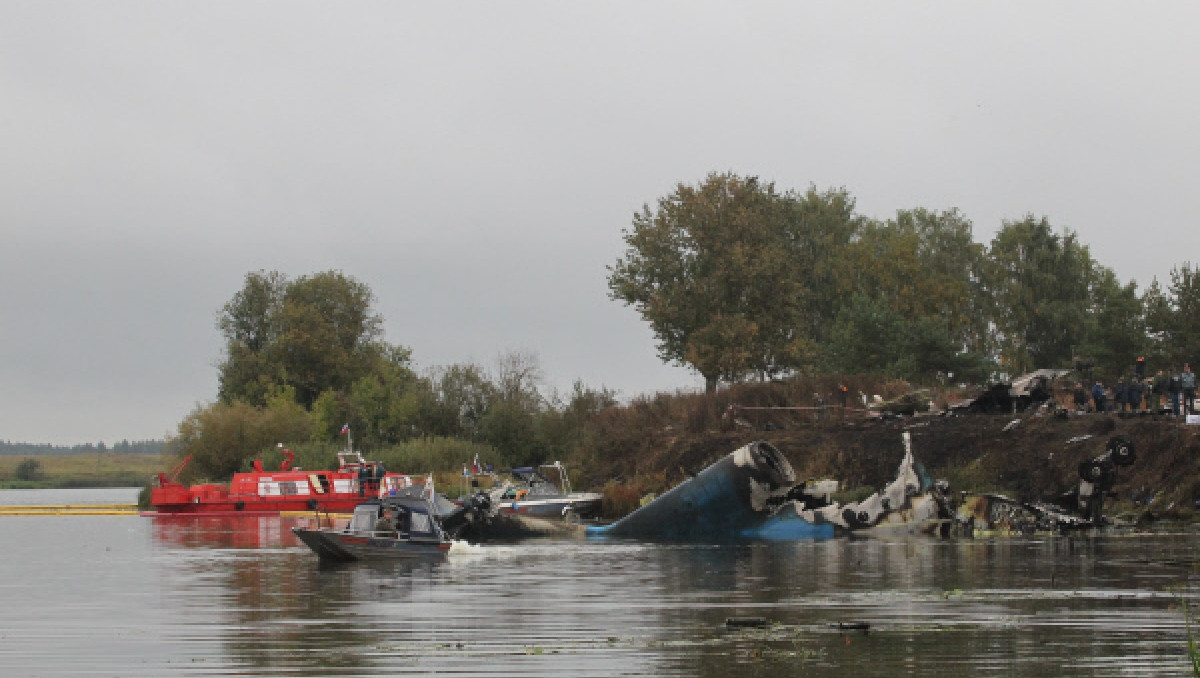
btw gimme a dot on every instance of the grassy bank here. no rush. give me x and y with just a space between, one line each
101 469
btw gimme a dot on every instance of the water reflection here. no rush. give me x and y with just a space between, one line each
1032 608
227 531
239 596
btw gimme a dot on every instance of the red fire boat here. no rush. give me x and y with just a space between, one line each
288 489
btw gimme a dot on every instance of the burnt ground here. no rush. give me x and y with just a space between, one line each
1031 461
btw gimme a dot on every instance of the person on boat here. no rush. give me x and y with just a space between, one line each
384 527
364 475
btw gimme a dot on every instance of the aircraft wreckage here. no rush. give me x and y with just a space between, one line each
752 494
1079 509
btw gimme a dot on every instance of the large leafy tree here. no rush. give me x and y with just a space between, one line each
382 407
729 274
250 323
1173 316
1039 286
910 286
872 336
221 438
453 400
1116 329
951 265
313 334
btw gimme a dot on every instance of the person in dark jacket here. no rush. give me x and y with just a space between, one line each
1187 380
1133 395
1174 391
1081 398
1159 389
1098 397
1120 395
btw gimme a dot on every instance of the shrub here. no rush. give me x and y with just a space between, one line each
29 469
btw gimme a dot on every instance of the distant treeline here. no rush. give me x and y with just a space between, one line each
123 447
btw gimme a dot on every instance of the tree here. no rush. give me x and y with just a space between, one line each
511 430
453 401
1039 287
1174 315
250 324
864 337
223 438
731 275
29 469
910 285
382 407
951 265
517 377
1116 327
313 334
872 336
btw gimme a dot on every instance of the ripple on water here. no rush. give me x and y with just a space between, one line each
131 596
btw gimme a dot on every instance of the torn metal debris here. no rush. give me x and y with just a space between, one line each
1082 508
1025 393
752 493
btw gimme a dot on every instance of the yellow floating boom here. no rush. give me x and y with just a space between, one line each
70 510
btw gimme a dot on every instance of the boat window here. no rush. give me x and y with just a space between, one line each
363 520
419 522
284 488
319 482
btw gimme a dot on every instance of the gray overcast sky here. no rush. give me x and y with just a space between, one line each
475 162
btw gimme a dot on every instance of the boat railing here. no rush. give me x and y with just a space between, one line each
564 483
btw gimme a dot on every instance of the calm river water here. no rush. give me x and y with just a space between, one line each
137 596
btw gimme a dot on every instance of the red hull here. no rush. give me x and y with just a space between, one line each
269 493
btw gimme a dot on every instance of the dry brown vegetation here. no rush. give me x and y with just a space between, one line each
654 443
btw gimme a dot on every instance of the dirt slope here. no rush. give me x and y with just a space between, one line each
1032 460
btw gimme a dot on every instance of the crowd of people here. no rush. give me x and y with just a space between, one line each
1173 392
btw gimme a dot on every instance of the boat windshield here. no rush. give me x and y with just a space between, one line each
363 520
538 484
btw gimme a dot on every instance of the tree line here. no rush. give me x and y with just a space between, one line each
305 358
122 447
737 280
740 280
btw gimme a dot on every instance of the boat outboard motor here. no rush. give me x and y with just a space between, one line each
721 502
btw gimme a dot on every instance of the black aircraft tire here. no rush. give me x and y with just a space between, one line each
1092 471
1122 451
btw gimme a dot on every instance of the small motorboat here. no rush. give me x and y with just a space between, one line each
536 495
412 531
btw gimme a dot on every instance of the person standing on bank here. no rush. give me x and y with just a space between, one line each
1187 381
1174 390
1121 395
1098 397
1081 398
1133 395
1159 389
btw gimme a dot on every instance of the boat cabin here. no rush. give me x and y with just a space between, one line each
412 519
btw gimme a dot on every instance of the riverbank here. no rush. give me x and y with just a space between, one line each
1027 457
64 471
